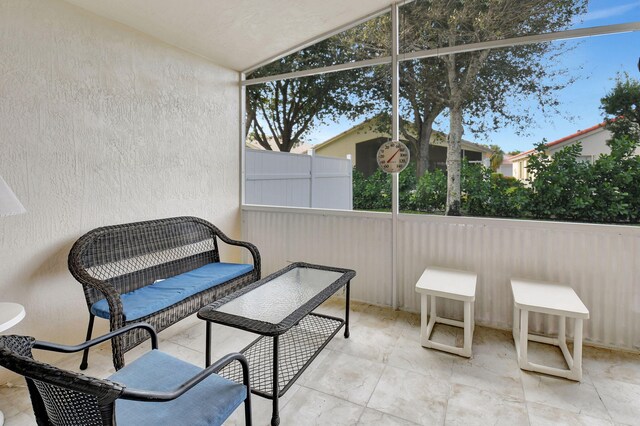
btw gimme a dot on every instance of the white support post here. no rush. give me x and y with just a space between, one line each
312 177
395 135
350 180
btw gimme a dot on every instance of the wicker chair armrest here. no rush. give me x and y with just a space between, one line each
151 396
54 347
111 295
255 253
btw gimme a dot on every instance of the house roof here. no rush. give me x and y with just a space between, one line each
469 146
237 34
561 140
301 148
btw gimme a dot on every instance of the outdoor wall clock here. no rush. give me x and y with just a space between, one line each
393 157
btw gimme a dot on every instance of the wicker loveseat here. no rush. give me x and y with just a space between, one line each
158 271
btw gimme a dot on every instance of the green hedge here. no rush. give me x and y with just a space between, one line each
564 188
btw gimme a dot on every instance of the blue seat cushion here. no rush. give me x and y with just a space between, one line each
162 294
210 402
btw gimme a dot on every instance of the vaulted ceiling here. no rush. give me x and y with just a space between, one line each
234 33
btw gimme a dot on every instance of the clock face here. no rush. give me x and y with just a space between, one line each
393 157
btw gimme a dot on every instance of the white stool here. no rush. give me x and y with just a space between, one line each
449 284
552 299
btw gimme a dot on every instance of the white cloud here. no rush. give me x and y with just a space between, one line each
608 12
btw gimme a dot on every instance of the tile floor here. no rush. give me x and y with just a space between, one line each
382 376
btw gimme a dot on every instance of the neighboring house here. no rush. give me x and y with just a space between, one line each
298 149
594 143
506 168
363 140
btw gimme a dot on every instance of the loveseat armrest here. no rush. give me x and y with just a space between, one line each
252 249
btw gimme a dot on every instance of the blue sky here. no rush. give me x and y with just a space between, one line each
595 61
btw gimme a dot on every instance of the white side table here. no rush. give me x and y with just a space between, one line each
551 299
449 284
10 315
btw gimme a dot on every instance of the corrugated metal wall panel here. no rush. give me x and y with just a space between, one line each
601 262
359 243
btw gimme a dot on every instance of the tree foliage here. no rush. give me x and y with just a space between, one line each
284 111
622 106
563 188
478 90
497 156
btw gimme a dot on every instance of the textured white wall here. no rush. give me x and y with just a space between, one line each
99 125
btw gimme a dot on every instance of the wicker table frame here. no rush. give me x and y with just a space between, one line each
286 349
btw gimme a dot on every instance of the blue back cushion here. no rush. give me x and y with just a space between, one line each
162 294
210 402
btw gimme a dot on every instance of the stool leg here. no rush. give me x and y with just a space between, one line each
467 329
577 351
432 317
473 318
424 312
516 322
524 336
562 335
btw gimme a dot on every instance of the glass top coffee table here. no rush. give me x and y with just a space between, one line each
278 307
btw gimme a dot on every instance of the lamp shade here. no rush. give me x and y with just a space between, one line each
9 203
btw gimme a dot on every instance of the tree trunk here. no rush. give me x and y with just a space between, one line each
454 153
422 162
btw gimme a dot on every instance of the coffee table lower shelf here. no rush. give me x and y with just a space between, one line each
297 348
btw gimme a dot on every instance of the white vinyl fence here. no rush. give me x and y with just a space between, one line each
601 262
298 180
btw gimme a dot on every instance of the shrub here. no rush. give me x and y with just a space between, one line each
431 193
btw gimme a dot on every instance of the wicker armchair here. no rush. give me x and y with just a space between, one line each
154 389
117 261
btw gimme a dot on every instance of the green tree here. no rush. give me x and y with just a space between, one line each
431 192
480 83
622 107
490 194
284 111
561 186
479 89
497 156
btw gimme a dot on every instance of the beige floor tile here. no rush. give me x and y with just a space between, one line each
549 355
223 339
311 407
378 418
20 419
14 399
614 365
543 415
366 342
411 396
621 399
564 394
384 367
491 373
313 366
346 376
493 342
472 406
410 355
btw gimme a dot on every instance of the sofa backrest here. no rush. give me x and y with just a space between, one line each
134 255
